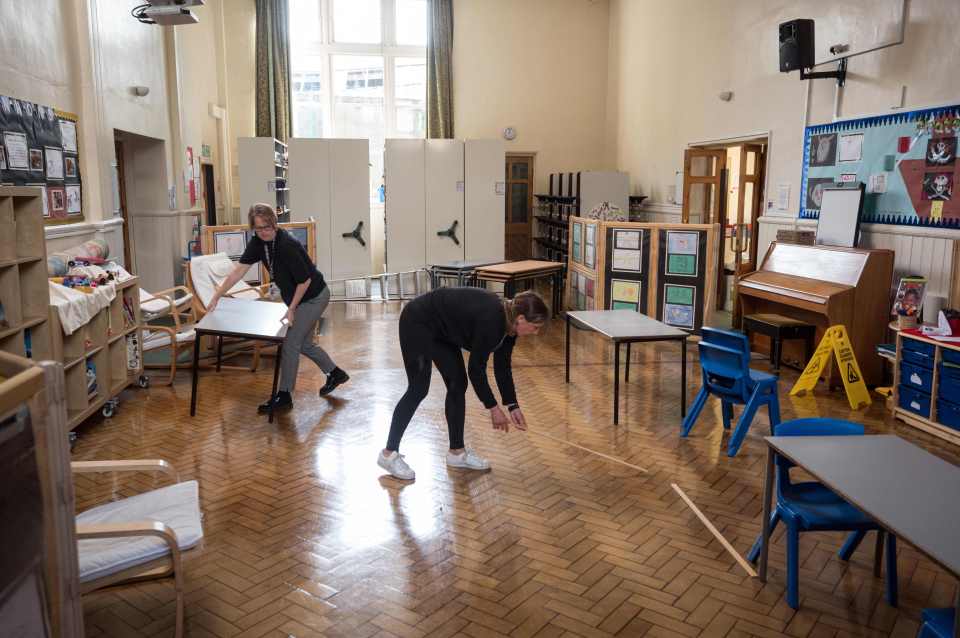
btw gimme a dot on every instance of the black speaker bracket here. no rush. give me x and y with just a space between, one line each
840 74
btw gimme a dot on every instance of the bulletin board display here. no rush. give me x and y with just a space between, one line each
907 161
232 240
626 268
682 278
581 290
39 147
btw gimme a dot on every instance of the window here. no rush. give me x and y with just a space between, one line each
358 69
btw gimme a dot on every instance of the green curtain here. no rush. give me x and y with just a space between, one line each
274 117
440 70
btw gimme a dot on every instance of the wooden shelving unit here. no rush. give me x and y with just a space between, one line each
23 275
931 424
102 341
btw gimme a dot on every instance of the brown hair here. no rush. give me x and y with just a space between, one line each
528 305
264 212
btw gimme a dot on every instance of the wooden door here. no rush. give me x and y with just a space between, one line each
122 188
519 214
704 196
749 208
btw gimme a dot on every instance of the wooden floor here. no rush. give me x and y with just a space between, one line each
304 536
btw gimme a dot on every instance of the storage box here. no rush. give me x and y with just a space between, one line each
950 356
917 358
915 345
914 401
948 414
916 377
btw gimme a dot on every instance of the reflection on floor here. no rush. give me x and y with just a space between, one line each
305 537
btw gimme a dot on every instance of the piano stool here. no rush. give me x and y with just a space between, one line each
780 328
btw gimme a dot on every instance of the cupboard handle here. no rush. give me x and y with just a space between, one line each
355 234
450 232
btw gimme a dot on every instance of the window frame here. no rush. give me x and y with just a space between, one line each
388 49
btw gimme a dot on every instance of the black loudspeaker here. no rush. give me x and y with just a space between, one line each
796 45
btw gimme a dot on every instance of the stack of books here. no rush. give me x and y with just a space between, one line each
887 350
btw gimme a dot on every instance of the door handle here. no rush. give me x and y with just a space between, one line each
355 234
450 232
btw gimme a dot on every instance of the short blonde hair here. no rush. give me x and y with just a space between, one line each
264 212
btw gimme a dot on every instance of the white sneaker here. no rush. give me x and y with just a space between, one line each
397 467
469 460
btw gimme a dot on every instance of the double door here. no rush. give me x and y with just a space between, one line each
329 181
444 201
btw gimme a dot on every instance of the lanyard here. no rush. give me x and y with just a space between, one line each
269 250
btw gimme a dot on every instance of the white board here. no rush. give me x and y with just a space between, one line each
349 205
403 168
444 200
484 199
308 178
839 221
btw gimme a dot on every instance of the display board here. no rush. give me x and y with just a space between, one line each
682 278
627 259
39 147
233 240
907 161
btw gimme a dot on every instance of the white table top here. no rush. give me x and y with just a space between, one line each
246 318
626 324
905 488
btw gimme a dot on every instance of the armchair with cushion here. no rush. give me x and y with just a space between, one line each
167 322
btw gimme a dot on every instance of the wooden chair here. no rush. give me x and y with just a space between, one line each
166 306
141 537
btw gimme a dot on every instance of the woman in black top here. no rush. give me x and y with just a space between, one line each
302 289
434 328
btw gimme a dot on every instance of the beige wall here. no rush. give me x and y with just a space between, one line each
240 24
539 66
669 60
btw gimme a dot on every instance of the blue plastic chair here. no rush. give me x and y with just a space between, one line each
725 362
813 507
937 623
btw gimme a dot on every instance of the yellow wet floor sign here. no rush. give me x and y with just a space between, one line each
836 341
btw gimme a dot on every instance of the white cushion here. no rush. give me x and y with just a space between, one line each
207 272
161 339
158 305
177 506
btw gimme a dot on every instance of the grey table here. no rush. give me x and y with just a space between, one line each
908 491
244 318
461 270
628 326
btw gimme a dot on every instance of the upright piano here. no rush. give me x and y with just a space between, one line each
826 286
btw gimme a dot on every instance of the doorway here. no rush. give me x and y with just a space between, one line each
128 262
209 195
519 218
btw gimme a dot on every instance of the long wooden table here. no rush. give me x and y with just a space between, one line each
908 491
514 272
247 319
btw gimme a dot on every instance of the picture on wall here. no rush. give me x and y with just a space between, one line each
941 151
577 242
73 199
3 158
677 315
850 148
683 265
54 163
58 201
938 186
682 243
68 135
823 150
70 166
18 157
36 160
233 243
624 294
815 186
629 239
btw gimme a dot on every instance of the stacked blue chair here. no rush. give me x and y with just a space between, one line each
725 361
812 507
937 623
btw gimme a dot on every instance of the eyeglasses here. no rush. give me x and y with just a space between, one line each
259 228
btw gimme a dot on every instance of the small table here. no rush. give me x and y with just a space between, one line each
628 326
462 271
514 272
244 318
908 491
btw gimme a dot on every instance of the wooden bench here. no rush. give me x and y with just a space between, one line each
780 328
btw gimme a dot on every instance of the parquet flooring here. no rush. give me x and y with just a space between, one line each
306 537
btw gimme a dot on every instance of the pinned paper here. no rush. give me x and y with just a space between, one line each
936 209
889 162
848 178
878 183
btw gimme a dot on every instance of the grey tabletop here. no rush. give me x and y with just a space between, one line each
469 264
903 487
625 324
246 318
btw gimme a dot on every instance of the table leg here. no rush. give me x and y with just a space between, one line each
626 375
276 379
765 523
196 368
683 377
219 351
566 349
616 382
956 615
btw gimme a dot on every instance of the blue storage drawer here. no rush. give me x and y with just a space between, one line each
917 358
916 377
916 402
950 356
915 345
949 384
948 414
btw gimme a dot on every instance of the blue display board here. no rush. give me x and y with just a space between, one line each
907 161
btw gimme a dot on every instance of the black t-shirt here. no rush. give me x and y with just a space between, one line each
291 264
473 319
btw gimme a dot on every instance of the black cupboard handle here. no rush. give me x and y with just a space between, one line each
355 234
450 232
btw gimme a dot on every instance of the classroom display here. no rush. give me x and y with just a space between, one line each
39 148
907 162
665 271
233 239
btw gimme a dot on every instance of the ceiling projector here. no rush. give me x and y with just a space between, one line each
167 12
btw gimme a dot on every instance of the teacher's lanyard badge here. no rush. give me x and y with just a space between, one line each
270 251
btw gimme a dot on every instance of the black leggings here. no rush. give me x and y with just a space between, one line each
420 347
